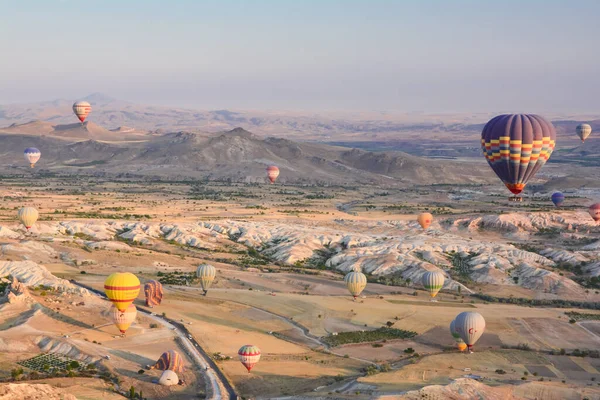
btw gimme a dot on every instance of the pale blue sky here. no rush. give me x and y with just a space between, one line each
432 56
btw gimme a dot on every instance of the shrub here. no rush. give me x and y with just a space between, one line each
500 371
409 350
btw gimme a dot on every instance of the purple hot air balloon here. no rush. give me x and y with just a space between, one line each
558 198
516 146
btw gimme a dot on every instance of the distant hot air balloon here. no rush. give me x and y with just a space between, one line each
272 173
356 282
153 291
249 355
170 360
558 198
595 211
516 146
470 326
206 273
82 109
425 219
583 131
433 281
460 344
122 288
27 216
32 155
123 320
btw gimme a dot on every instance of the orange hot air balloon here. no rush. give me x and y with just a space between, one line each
122 288
82 109
123 320
461 346
425 219
249 356
595 211
272 173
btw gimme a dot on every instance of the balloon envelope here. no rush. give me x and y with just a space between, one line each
206 273
433 281
28 216
249 355
558 198
425 219
32 155
583 131
153 290
595 211
82 109
516 146
122 288
272 173
470 326
356 281
123 320
170 360
168 378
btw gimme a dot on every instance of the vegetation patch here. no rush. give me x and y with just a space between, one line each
49 362
382 333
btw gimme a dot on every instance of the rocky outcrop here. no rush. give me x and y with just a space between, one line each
31 274
12 391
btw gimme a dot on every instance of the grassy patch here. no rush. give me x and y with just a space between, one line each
368 336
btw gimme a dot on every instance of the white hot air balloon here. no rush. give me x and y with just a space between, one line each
356 282
583 131
206 273
82 109
28 216
32 155
433 281
470 326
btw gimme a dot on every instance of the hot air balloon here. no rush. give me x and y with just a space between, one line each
272 173
153 291
249 356
170 360
82 109
583 131
425 219
206 273
27 216
122 288
595 211
558 198
168 378
470 326
516 146
433 281
123 320
460 344
32 155
355 282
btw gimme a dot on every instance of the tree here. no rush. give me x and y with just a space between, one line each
132 392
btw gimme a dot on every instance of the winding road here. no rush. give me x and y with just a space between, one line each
218 387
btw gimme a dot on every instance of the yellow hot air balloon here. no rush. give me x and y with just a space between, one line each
206 273
123 320
355 282
28 216
425 219
460 344
433 281
122 288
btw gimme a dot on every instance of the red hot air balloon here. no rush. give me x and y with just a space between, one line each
82 109
272 173
249 356
595 211
154 293
516 146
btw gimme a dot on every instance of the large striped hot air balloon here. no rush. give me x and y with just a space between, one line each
123 320
470 326
249 355
28 216
32 155
594 211
122 288
82 109
206 273
425 219
433 281
583 131
460 344
153 291
272 173
516 146
558 198
170 360
356 282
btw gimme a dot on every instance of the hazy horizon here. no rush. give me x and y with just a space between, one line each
430 57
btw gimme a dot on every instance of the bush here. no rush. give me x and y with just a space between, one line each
153 326
409 350
141 371
83 272
377 345
500 371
